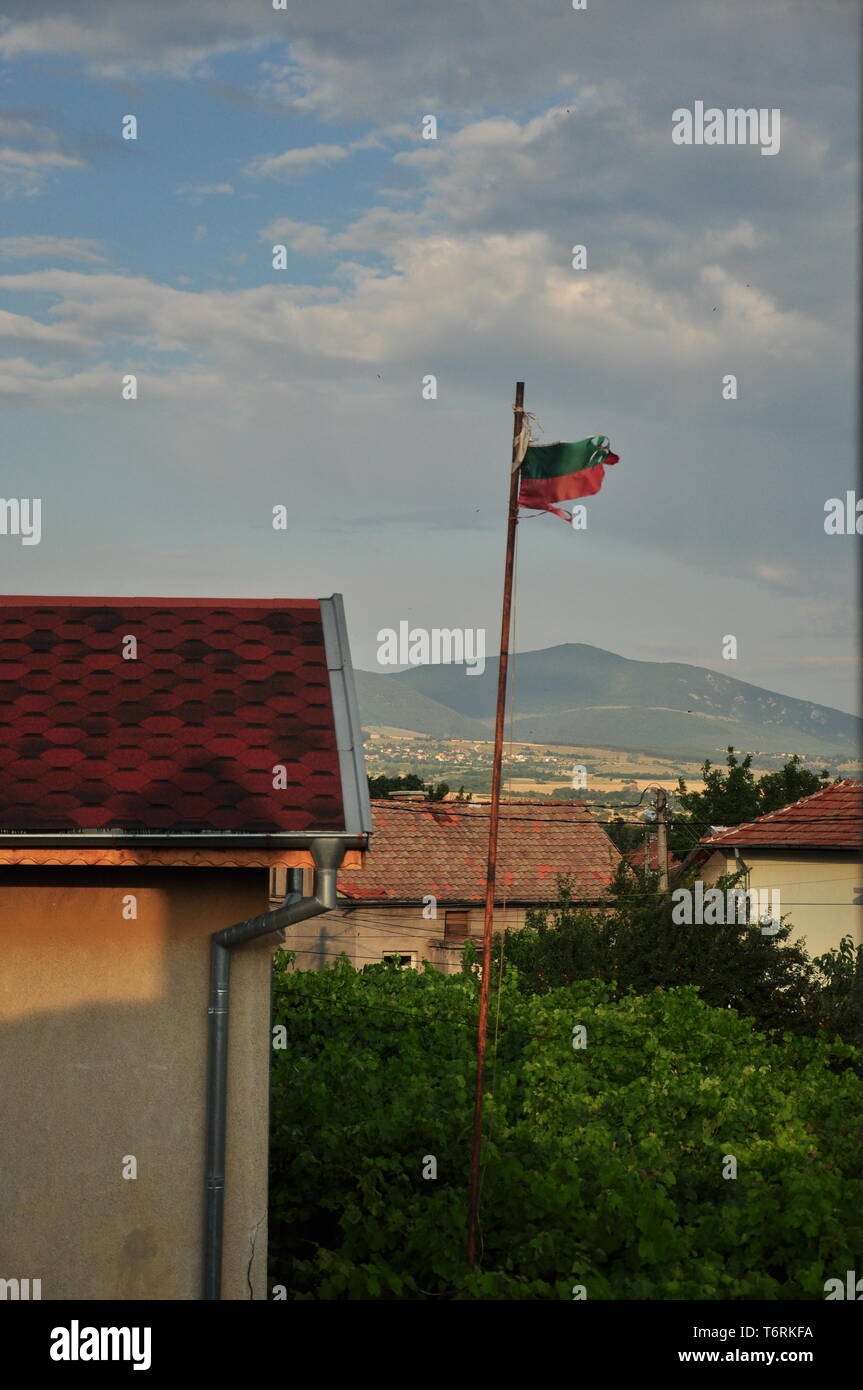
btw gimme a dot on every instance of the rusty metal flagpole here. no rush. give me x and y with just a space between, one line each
494 817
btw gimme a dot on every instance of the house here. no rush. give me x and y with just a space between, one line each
809 854
646 856
421 892
159 758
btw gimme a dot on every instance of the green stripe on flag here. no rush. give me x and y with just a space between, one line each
559 460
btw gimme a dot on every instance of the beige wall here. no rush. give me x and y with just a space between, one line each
367 934
821 893
103 1044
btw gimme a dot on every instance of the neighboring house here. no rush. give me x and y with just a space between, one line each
421 891
808 852
159 757
647 854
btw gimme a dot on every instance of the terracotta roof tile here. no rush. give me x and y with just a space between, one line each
439 848
636 857
829 819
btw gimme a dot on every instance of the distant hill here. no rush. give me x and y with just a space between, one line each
581 695
383 701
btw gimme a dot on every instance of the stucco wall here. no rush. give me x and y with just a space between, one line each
103 1033
366 934
820 893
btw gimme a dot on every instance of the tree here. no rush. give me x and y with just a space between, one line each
608 1120
734 796
833 1004
438 792
626 835
791 783
635 944
728 798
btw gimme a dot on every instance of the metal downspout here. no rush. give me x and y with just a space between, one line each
327 854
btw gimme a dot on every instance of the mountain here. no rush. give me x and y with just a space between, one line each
382 701
581 695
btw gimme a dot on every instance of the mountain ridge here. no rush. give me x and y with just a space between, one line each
575 693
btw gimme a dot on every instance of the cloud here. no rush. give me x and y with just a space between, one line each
404 60
553 130
32 152
46 247
119 38
203 189
25 171
17 328
298 161
448 301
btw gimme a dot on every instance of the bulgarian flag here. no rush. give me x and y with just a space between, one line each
562 472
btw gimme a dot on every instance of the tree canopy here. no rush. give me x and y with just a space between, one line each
732 795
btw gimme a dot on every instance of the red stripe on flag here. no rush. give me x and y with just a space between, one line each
539 493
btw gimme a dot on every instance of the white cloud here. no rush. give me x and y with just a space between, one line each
203 189
46 247
18 328
118 38
25 171
297 161
449 299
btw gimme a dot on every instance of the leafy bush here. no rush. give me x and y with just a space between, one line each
602 1165
636 943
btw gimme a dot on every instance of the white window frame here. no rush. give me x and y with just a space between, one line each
412 956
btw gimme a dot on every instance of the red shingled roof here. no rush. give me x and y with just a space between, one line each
440 848
185 737
829 819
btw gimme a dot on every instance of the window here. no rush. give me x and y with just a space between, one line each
456 925
408 961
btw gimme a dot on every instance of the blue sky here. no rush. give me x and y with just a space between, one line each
406 257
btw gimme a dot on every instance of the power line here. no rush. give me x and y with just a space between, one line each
435 808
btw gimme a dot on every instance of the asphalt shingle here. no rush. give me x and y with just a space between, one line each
183 738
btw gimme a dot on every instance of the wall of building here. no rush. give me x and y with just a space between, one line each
103 1044
821 893
367 934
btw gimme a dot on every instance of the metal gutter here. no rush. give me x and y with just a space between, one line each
346 713
327 855
192 839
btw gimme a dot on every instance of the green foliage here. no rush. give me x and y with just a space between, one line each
626 835
791 783
728 798
382 786
601 1165
385 786
833 1002
636 943
734 797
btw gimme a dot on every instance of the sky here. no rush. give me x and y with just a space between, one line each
409 257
